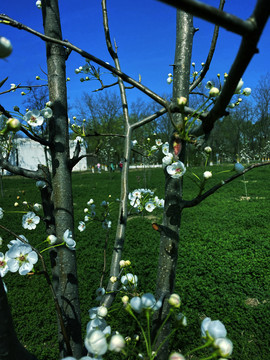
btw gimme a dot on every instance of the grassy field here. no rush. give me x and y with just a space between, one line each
223 268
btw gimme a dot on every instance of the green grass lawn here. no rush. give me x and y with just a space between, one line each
223 268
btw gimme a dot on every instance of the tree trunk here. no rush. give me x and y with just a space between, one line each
64 270
169 239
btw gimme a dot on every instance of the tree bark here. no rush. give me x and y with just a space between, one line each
169 239
63 260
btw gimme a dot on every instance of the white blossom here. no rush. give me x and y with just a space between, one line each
176 169
167 160
214 328
81 226
165 148
34 118
95 342
3 264
22 258
150 206
30 220
46 112
129 280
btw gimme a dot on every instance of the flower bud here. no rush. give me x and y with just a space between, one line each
207 175
5 47
207 149
182 101
122 263
176 356
174 300
214 92
102 311
117 343
239 86
225 347
13 125
51 239
113 279
247 91
125 299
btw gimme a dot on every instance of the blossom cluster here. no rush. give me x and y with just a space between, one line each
97 332
175 169
90 215
88 69
216 332
36 118
214 91
144 199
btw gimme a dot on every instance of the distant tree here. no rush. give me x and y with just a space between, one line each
100 114
262 101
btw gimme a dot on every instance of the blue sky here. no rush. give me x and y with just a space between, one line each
145 34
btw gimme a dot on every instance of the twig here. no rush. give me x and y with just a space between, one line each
200 198
9 21
106 86
213 15
210 54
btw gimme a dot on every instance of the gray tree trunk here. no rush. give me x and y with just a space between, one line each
64 270
169 238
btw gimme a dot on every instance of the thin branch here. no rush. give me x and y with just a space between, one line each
106 86
26 132
213 15
109 134
35 137
17 170
122 216
149 118
210 54
9 21
200 198
22 87
74 161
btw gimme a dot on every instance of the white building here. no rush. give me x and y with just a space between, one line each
28 153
